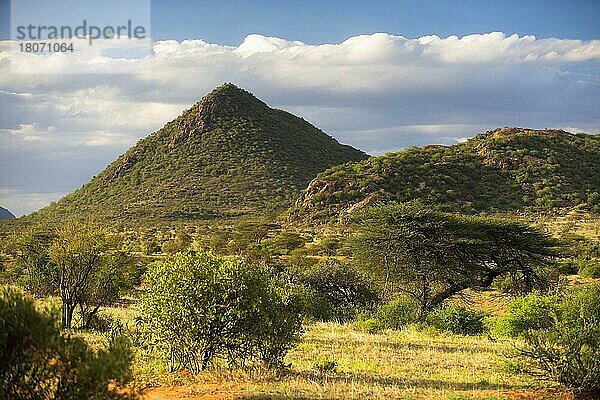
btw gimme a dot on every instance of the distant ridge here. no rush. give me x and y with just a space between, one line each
504 170
227 156
5 214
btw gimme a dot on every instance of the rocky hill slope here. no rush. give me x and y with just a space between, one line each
504 170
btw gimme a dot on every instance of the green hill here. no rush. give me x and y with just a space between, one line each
229 155
505 170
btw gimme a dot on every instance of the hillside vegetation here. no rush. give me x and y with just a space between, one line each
228 155
505 170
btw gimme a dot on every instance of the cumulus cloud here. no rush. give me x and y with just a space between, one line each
378 92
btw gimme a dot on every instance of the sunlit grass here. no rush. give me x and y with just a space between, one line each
408 364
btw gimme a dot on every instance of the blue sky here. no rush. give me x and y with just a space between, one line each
318 21
436 72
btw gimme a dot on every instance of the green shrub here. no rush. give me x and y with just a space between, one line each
397 314
368 323
326 365
498 326
199 307
590 269
564 342
457 320
532 312
338 292
40 363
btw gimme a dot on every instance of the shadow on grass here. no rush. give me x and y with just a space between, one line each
448 348
372 379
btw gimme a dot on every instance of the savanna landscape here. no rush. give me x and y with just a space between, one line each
240 252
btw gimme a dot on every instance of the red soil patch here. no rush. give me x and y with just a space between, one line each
207 391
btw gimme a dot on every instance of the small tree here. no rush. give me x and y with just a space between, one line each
199 307
78 263
431 255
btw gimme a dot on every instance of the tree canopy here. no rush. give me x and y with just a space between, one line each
431 255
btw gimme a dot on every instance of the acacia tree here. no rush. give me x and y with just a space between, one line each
78 263
431 255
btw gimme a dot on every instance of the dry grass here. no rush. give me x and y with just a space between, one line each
389 365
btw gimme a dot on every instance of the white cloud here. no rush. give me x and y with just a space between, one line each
379 92
21 203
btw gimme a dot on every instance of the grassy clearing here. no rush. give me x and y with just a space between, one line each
392 364
407 364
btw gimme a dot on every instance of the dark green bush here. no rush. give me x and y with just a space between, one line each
563 342
457 320
199 307
397 314
338 292
40 363
567 267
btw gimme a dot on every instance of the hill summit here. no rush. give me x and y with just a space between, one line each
504 170
228 155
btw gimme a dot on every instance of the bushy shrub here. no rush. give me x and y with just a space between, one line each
107 324
563 336
532 312
399 313
338 292
456 319
590 269
367 323
40 363
498 326
200 307
283 243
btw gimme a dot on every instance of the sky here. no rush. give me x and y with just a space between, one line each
379 75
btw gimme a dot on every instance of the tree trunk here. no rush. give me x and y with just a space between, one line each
424 303
67 315
206 358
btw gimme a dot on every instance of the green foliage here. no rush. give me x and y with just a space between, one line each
78 263
326 365
199 307
336 290
39 363
431 256
36 272
506 170
590 269
457 320
562 336
229 155
368 323
398 314
283 243
532 312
